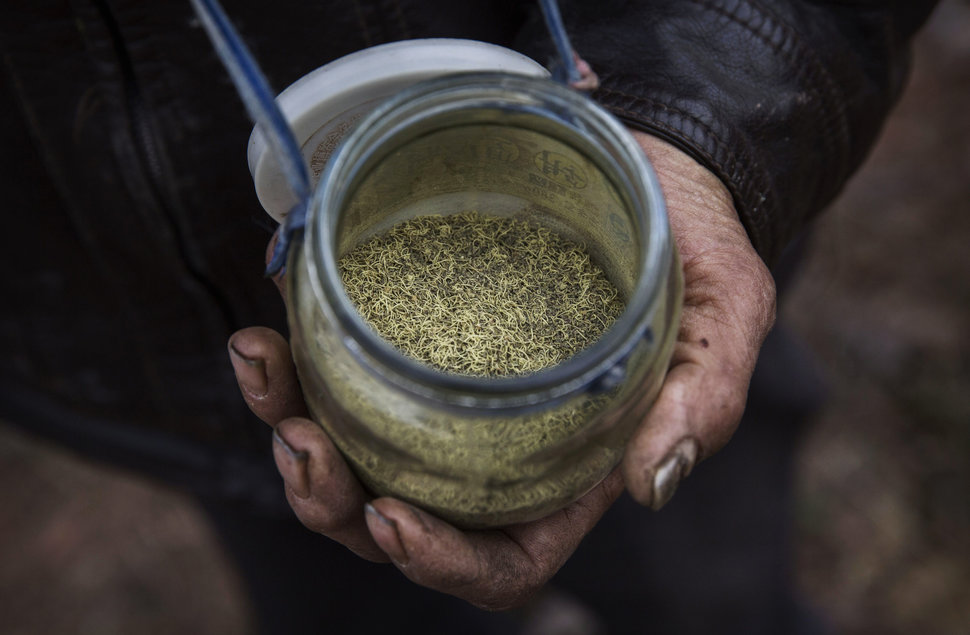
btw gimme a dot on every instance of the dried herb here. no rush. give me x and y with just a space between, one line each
480 295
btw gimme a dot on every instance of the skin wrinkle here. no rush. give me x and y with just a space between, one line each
676 409
729 169
342 523
720 146
580 512
533 548
732 319
512 583
709 261
709 294
512 536
714 353
453 575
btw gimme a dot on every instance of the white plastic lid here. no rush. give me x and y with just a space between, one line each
324 105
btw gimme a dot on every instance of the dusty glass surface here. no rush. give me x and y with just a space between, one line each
479 451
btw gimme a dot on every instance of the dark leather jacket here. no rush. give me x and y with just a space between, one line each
134 240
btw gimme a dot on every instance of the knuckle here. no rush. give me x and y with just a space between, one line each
763 288
507 585
313 514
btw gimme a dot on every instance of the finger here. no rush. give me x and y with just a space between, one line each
668 444
320 487
279 278
728 309
588 80
266 375
726 316
494 569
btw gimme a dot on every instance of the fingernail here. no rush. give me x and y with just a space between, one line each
394 549
297 477
250 372
672 470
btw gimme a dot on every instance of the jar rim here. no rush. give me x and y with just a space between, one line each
594 368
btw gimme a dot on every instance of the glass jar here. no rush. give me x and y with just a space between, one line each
476 451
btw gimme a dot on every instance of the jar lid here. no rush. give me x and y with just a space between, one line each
324 105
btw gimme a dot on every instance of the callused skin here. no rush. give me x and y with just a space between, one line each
729 307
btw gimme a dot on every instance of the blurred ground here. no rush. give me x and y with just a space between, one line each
90 551
884 477
883 542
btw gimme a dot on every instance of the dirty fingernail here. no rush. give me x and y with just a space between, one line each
250 372
672 470
295 474
393 548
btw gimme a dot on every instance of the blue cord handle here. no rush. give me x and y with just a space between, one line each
261 105
565 71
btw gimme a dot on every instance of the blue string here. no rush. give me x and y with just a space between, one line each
565 71
261 105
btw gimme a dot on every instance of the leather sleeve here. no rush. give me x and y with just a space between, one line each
136 238
781 99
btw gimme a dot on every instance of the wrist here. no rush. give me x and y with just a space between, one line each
695 198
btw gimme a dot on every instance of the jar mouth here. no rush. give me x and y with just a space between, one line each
428 106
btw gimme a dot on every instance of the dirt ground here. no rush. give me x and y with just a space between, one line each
883 505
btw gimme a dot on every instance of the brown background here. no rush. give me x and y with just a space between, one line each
883 505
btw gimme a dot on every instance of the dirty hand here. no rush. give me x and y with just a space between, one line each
492 569
729 307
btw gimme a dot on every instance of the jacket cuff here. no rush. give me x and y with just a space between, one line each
781 100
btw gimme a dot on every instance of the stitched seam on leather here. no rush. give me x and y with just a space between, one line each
791 48
728 163
808 67
659 106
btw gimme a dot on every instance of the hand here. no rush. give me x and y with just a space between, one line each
492 569
729 308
